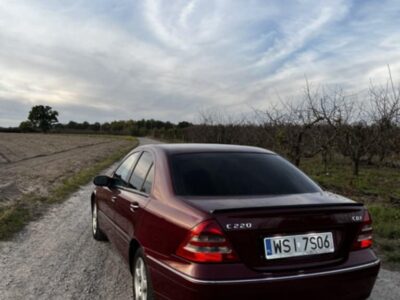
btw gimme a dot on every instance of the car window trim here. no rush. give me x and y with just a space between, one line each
130 171
133 170
145 178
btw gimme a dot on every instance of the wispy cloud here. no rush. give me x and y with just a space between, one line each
104 60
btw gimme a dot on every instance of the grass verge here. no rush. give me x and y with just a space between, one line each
386 224
14 217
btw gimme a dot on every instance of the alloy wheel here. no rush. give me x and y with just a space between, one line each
140 281
94 218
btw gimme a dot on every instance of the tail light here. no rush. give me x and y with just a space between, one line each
364 238
206 243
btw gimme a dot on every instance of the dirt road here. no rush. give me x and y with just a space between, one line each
57 258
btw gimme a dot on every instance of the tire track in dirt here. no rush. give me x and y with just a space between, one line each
3 158
10 164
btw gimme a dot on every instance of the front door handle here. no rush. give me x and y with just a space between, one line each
113 198
133 206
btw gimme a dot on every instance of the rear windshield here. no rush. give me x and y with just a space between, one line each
237 174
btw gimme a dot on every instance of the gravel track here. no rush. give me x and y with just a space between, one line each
56 257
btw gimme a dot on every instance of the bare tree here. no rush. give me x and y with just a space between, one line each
355 136
331 106
293 120
385 112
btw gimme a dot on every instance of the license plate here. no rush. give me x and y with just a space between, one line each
298 245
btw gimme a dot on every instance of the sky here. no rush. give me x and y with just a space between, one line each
115 60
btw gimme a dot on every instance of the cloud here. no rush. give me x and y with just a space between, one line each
105 60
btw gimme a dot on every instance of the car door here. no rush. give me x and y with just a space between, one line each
107 196
132 199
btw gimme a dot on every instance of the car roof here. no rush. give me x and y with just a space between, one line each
198 148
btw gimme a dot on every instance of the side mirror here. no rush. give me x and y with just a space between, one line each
103 180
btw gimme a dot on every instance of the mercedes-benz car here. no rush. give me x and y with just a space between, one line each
205 221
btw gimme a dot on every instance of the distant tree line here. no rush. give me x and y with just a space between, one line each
151 127
44 119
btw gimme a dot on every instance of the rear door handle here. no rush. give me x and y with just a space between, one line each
133 206
113 198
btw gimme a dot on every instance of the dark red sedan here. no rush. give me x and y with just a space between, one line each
202 221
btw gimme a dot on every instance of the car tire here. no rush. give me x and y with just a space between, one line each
141 281
98 234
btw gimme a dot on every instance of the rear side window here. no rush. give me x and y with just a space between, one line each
237 174
121 175
140 172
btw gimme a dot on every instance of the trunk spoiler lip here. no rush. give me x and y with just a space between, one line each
294 206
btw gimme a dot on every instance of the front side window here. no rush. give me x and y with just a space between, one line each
237 174
121 175
140 172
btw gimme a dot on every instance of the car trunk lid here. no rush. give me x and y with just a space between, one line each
248 221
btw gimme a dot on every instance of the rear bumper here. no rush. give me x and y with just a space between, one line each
355 282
